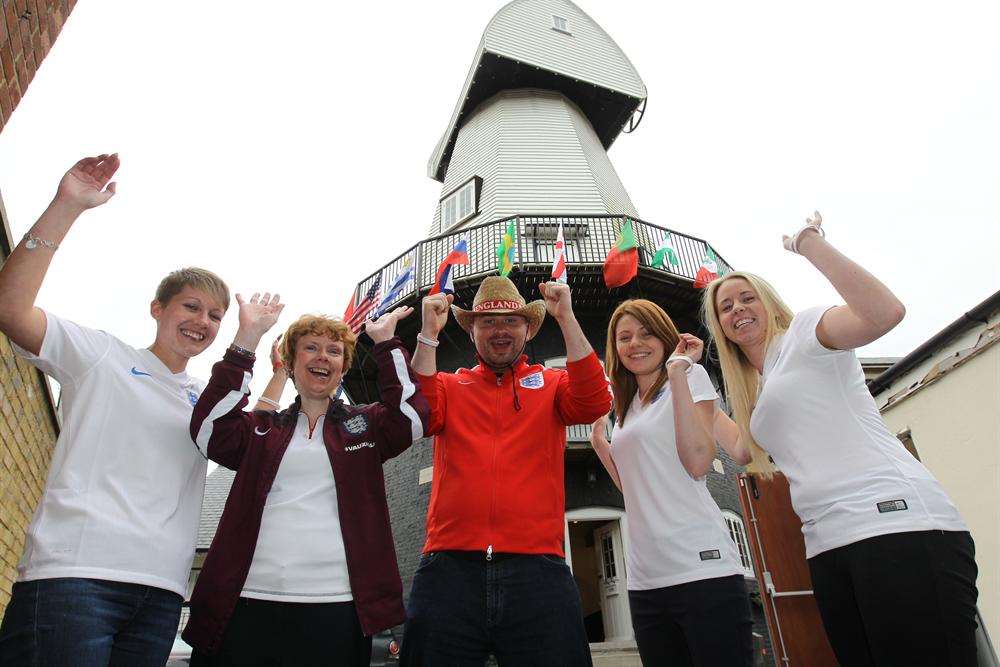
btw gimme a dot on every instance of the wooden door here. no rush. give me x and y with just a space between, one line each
779 560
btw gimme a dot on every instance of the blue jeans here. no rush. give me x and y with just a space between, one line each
525 609
88 623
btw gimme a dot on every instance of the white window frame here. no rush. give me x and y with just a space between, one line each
465 193
737 529
564 27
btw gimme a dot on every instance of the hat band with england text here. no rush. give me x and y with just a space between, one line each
497 305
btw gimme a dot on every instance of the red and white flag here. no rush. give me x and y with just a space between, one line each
559 261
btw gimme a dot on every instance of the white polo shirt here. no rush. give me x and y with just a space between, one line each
300 555
124 490
676 530
849 477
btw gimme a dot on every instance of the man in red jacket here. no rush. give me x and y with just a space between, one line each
492 577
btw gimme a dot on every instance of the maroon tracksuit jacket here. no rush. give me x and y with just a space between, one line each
358 438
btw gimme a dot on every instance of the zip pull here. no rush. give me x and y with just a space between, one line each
499 381
489 553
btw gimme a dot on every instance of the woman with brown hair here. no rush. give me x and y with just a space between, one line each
302 570
686 590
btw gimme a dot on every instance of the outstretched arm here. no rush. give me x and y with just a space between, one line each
269 400
85 185
434 310
872 310
559 305
692 422
727 433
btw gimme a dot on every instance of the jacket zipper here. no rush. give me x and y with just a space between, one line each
493 500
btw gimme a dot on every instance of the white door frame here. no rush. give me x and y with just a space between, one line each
596 513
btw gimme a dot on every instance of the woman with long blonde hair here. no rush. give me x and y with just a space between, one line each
687 594
891 560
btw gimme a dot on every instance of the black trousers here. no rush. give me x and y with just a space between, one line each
702 623
290 634
900 599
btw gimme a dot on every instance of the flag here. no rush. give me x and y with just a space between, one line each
622 262
443 280
665 253
559 261
349 313
405 276
709 270
506 250
365 306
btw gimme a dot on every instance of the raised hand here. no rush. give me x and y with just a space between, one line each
690 346
813 226
558 301
599 435
276 362
383 328
434 311
86 184
256 316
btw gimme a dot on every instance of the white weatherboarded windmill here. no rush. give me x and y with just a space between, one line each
548 92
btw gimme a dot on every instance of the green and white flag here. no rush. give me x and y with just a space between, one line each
665 253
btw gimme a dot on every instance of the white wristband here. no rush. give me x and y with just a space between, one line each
680 357
429 342
798 235
265 399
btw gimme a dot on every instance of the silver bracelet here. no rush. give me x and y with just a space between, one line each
798 234
31 242
265 399
680 357
429 342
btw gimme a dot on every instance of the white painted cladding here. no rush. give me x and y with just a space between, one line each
536 153
523 31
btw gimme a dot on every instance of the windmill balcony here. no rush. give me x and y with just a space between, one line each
588 241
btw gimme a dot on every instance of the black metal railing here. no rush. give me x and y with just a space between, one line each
588 238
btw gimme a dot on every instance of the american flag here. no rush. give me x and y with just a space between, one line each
356 318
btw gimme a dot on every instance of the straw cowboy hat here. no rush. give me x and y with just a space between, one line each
497 295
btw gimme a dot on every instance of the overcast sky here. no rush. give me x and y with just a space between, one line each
285 145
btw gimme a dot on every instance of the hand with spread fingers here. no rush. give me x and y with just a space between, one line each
434 310
88 182
813 227
558 300
256 317
383 327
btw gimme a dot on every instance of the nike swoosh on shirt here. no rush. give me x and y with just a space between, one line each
259 432
138 372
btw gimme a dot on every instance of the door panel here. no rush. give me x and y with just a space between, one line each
779 560
611 579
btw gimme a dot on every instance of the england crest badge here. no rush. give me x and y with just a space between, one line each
192 397
356 425
533 381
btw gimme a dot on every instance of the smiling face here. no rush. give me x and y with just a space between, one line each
639 351
188 323
499 339
741 313
318 366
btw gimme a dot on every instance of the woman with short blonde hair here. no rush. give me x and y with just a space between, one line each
891 560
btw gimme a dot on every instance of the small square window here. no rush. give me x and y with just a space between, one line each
561 24
460 205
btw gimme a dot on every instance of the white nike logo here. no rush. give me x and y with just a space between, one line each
259 432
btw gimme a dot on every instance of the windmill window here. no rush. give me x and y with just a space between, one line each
561 24
460 204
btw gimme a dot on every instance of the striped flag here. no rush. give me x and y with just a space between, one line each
401 281
559 261
443 281
506 250
365 307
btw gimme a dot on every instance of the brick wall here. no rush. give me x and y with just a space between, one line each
27 436
28 29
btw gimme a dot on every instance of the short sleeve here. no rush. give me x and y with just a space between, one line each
68 350
803 332
700 384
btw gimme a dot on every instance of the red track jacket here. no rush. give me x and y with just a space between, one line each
498 471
